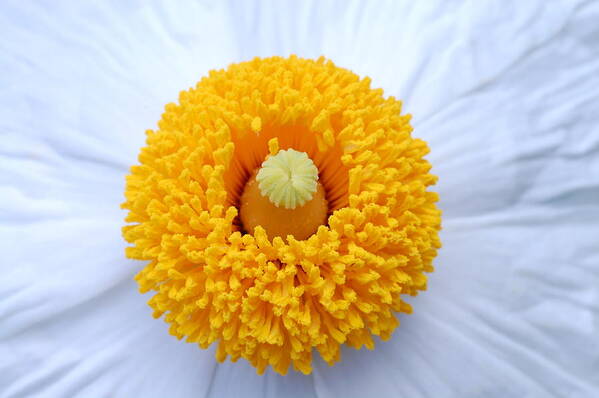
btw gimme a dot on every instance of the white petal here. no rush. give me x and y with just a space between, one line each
73 323
512 308
509 313
241 380
79 87
504 95
429 53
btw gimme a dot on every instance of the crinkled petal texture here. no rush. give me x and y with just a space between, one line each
273 302
504 92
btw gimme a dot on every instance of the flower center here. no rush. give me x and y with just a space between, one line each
288 178
284 197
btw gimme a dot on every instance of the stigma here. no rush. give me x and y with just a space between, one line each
284 196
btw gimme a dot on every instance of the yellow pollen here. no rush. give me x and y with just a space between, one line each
288 178
281 260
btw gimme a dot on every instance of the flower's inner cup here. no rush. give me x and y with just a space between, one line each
301 222
251 149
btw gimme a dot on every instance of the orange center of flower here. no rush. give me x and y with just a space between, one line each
255 209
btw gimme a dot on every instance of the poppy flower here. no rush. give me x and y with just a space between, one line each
504 97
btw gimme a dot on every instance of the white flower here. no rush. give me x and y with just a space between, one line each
505 94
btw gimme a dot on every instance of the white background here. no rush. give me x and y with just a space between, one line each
505 92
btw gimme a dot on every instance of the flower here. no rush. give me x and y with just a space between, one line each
256 294
504 97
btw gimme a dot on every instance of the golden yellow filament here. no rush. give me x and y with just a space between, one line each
316 247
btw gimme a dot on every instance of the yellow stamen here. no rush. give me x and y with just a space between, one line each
220 261
288 178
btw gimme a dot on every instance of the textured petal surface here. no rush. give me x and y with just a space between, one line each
504 92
